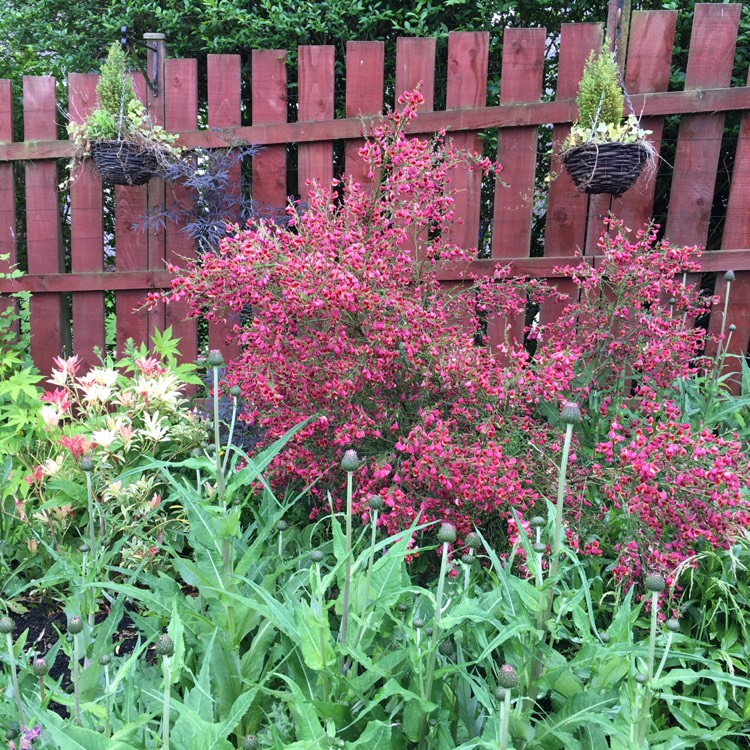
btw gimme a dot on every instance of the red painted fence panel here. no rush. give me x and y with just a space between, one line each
43 234
86 231
7 190
572 220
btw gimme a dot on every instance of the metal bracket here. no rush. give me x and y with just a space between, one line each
153 80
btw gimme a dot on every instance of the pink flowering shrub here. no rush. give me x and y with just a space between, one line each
634 317
346 321
349 322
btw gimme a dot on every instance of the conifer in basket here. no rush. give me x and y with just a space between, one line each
127 147
605 152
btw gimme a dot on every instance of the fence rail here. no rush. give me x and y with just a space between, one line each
65 265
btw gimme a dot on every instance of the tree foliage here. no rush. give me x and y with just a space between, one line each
54 37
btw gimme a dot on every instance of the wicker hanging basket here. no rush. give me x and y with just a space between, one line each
605 167
124 163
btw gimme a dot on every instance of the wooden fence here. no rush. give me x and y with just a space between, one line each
57 274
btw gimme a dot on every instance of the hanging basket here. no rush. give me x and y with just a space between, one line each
124 163
605 167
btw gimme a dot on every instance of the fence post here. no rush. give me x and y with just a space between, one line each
156 55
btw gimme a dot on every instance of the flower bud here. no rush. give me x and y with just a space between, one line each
729 276
732 328
570 413
604 636
75 625
40 667
446 647
418 622
673 625
446 533
473 540
428 631
7 625
105 659
282 525
672 301
375 502
87 463
250 742
500 693
655 582
235 391
640 678
508 677
215 359
350 461
316 556
537 522
83 548
539 547
467 559
403 607
165 645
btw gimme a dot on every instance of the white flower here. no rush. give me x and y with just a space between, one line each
104 438
164 388
104 376
50 415
52 465
152 427
96 393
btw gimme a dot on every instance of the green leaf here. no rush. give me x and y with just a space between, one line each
70 737
303 711
199 697
582 710
175 631
377 736
690 677
314 631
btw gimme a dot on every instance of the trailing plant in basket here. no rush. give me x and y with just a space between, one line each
119 133
591 150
